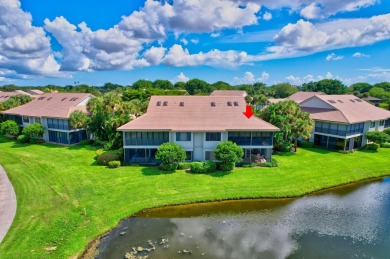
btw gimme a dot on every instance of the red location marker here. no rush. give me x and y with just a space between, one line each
248 113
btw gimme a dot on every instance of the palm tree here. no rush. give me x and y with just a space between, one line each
78 119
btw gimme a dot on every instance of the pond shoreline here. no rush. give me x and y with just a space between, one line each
92 248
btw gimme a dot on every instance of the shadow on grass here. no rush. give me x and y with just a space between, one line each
150 171
220 173
286 154
319 150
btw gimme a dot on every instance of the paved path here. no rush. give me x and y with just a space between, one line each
7 203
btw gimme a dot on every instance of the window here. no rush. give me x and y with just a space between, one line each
38 120
183 136
382 123
25 119
209 155
372 125
188 155
146 138
213 136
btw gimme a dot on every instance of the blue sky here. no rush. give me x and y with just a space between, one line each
238 41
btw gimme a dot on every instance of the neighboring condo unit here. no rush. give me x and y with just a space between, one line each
198 124
53 110
341 121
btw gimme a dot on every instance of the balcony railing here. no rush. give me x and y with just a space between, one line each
244 141
335 132
145 142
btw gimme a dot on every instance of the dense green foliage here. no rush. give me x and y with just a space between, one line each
387 131
114 164
328 86
108 113
170 154
78 119
55 185
228 153
377 137
372 146
109 156
23 139
14 101
206 167
292 122
284 90
9 128
35 130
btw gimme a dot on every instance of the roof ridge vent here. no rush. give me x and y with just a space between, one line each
181 104
212 104
165 103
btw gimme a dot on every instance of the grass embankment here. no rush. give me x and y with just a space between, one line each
54 184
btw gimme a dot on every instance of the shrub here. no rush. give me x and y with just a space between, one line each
346 151
114 164
377 137
385 145
9 128
99 152
305 144
107 157
226 167
168 167
273 163
248 165
170 153
229 154
209 167
184 165
23 139
387 131
35 130
373 146
197 168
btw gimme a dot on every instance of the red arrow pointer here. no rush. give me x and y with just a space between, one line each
248 112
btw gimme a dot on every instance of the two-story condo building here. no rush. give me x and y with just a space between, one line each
198 124
341 121
53 110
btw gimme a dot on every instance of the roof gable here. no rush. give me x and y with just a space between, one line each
55 105
197 113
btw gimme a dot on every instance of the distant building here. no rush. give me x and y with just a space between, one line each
4 96
53 110
373 100
341 121
198 124
35 92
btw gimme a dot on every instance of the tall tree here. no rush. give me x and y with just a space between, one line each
163 84
197 86
292 122
361 87
328 86
78 119
284 90
142 84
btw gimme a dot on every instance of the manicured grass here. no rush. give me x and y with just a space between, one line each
55 185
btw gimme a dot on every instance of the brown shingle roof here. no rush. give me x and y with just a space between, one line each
240 93
353 109
272 100
22 92
197 114
302 96
325 114
4 96
370 98
55 105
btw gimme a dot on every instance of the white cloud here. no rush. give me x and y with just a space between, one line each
180 78
312 11
267 16
177 56
154 55
294 80
215 34
333 57
360 55
328 75
195 41
318 8
184 41
155 18
304 38
24 49
250 78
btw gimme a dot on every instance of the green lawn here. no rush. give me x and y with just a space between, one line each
54 184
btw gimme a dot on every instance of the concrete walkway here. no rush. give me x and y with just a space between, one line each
7 203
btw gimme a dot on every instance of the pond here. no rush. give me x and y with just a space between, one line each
347 222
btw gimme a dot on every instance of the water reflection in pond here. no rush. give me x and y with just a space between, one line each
351 222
